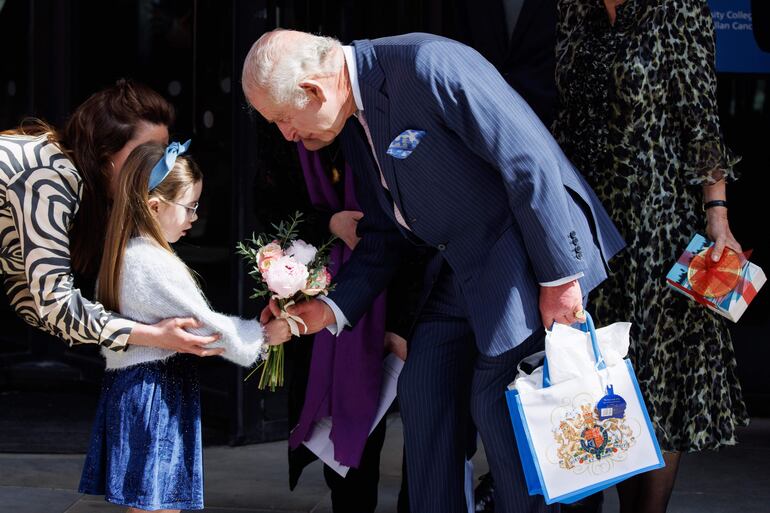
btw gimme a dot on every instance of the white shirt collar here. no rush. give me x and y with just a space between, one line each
350 62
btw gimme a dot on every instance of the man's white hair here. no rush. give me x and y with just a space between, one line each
278 67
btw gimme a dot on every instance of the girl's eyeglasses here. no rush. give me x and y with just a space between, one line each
191 210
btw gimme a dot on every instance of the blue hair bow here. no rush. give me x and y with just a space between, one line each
163 167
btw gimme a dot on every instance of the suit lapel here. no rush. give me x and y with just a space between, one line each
371 81
512 9
522 25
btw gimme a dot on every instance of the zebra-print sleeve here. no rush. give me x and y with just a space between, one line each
43 201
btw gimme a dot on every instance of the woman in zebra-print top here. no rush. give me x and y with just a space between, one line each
49 206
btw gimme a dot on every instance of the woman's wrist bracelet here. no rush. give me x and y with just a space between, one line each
714 203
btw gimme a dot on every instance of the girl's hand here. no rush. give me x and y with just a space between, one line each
718 230
172 334
271 311
277 332
343 226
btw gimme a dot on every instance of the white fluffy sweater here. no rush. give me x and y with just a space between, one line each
156 285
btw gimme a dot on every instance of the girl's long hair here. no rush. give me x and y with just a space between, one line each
131 216
99 128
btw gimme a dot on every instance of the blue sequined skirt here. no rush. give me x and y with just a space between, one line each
146 445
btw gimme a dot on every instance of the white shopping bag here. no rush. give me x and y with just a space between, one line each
580 421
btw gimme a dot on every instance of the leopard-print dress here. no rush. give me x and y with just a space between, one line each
639 118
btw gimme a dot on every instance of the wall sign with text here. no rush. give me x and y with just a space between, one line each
737 50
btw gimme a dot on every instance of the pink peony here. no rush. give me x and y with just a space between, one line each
267 255
318 282
285 276
302 251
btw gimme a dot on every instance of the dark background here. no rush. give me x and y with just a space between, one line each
58 52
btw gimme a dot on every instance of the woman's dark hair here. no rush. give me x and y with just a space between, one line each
99 128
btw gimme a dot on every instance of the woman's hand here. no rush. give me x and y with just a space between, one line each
612 6
343 225
718 230
172 334
277 332
395 344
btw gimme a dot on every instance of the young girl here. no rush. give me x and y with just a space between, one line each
145 450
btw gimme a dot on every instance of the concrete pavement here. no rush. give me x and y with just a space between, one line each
253 479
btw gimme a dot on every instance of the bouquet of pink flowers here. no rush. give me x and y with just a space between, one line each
288 270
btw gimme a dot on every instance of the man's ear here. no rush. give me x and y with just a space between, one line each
314 90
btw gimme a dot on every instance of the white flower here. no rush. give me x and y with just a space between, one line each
286 276
302 251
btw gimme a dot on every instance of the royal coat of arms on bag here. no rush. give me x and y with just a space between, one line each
583 439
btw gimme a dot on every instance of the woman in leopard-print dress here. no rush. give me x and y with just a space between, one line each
639 118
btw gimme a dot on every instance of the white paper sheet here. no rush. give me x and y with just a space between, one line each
320 443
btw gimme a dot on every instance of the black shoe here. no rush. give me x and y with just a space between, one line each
484 494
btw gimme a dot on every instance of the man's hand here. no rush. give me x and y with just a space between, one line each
316 314
343 225
395 344
563 304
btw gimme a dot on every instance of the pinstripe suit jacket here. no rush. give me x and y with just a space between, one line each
487 186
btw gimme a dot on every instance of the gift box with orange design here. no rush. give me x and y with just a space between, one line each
726 286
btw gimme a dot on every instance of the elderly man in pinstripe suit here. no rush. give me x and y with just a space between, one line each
446 155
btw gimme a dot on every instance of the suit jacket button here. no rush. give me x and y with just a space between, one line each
441 247
573 234
578 249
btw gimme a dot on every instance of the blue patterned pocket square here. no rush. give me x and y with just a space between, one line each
403 145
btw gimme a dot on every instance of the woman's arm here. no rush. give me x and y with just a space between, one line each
43 203
705 159
717 225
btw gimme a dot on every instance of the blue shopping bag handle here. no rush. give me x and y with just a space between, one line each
587 327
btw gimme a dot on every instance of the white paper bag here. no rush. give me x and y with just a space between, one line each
567 449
